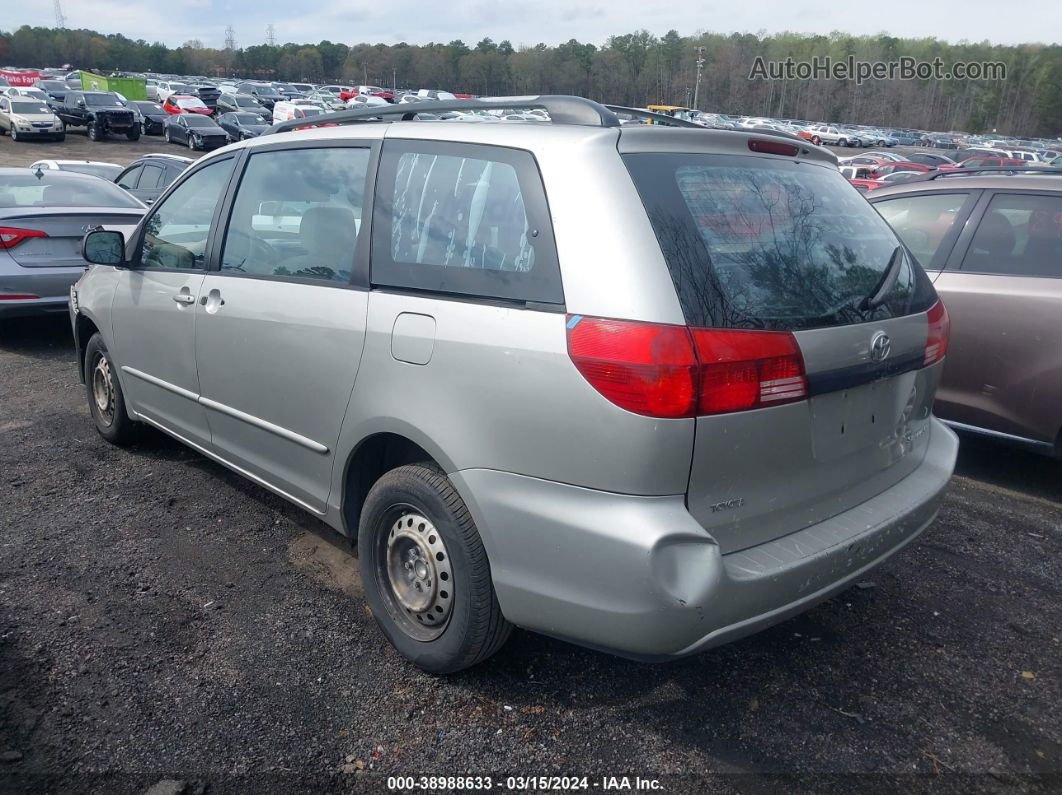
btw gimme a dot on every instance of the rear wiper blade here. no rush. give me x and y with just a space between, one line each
885 283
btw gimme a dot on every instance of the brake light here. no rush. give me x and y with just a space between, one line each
672 371
939 332
773 147
11 236
18 297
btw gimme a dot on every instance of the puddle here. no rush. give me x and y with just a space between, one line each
325 563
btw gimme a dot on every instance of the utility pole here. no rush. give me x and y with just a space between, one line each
697 85
60 19
271 35
230 39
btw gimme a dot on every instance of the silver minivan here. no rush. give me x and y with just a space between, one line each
645 389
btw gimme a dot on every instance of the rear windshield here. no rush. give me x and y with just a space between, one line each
195 120
754 242
60 190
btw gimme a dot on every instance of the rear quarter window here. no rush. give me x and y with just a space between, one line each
464 219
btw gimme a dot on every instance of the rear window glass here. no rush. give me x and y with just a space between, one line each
753 242
923 221
62 190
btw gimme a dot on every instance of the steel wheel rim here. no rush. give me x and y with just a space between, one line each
103 389
415 573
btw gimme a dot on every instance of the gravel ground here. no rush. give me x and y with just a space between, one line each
162 619
77 146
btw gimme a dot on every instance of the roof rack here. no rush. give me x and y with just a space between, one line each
967 172
661 118
561 110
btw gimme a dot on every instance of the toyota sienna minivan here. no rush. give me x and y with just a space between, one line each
641 388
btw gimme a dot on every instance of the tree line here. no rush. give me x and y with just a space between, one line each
631 69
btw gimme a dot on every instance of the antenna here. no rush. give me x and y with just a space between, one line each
230 38
60 19
271 35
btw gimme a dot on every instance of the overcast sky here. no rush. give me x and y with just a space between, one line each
530 21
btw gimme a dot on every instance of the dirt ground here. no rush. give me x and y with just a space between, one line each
77 146
163 619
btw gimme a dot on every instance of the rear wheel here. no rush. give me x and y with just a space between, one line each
425 572
816 140
105 397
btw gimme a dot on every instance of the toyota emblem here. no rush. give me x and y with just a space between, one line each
880 346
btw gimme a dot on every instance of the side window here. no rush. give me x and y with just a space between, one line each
468 219
922 222
1019 235
130 177
151 178
176 232
298 214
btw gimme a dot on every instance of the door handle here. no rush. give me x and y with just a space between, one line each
184 298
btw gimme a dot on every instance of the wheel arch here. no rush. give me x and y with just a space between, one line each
84 328
374 455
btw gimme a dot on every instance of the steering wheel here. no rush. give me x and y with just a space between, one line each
262 257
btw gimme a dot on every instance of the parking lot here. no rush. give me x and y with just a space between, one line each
162 618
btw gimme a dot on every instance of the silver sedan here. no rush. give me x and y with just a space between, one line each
43 216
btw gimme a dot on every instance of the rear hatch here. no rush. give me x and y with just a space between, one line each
64 228
780 244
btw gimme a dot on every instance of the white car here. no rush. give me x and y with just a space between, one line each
366 101
296 109
166 88
96 168
23 91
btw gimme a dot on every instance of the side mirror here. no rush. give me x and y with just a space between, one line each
104 247
81 103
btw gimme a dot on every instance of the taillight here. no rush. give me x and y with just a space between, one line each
748 369
18 297
11 236
645 368
673 371
939 331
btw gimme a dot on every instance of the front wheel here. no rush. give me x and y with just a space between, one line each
425 572
93 131
842 142
105 397
14 134
133 134
61 137
193 144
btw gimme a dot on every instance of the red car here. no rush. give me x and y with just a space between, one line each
980 161
176 104
889 168
863 185
372 91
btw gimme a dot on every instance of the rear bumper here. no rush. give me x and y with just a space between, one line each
638 576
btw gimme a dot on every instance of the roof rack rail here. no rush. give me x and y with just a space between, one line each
662 118
561 110
967 172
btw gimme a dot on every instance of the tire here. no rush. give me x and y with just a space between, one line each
166 135
105 397
61 137
191 142
14 134
841 142
93 131
455 621
133 134
816 140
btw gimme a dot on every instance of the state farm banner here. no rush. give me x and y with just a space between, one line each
20 78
